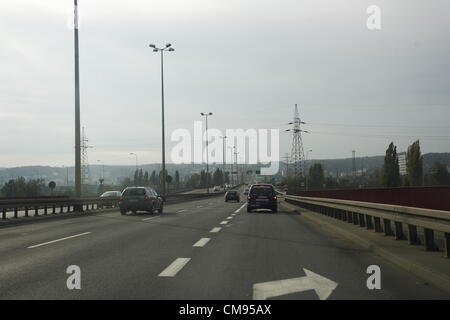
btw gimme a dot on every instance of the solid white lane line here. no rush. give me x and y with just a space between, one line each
201 243
174 267
240 208
217 229
224 222
151 218
58 240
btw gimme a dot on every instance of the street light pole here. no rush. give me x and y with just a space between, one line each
103 168
77 107
168 47
224 139
231 166
134 154
306 173
207 150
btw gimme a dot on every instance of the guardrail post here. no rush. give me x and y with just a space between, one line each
4 213
15 212
362 223
26 211
349 217
61 210
399 235
446 245
369 223
413 239
45 210
54 209
377 221
387 227
429 240
344 215
355 218
36 211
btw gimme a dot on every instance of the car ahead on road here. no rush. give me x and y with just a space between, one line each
111 195
262 196
246 191
216 189
140 199
109 198
232 195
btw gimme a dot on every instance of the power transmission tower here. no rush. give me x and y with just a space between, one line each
297 154
84 160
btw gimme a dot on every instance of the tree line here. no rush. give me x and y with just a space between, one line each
388 176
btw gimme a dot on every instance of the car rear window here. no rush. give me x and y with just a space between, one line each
262 190
232 192
134 192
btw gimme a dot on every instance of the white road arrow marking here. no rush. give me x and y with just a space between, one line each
312 281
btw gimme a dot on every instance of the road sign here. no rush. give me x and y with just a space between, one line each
52 185
312 281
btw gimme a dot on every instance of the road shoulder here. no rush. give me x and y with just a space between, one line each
429 266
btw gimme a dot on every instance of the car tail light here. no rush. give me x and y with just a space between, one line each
249 197
274 197
146 198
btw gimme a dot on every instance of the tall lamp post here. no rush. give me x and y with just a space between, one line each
103 169
231 166
207 151
306 173
134 154
224 139
77 109
169 48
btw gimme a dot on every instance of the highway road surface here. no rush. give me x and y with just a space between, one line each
205 249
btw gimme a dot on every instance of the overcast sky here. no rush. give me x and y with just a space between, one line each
247 61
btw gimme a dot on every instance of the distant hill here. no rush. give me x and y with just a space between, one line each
115 174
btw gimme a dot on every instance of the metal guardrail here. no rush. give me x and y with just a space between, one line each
17 208
52 206
381 217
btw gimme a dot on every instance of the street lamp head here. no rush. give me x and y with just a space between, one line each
152 46
155 50
210 114
201 113
168 45
171 49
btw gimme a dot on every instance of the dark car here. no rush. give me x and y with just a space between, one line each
232 195
262 196
140 199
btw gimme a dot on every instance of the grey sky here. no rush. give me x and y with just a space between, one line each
247 61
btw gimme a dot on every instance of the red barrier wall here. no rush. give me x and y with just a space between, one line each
422 197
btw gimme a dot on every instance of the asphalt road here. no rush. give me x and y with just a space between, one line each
183 254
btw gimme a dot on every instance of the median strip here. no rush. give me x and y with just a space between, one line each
174 267
58 240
